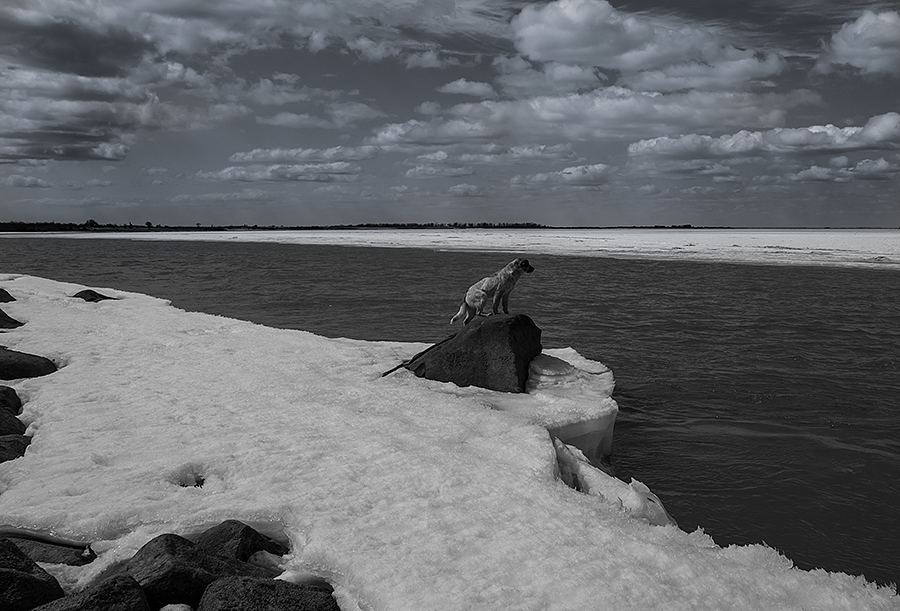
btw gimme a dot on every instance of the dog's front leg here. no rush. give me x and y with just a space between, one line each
506 303
499 297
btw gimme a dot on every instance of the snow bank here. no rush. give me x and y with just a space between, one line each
405 493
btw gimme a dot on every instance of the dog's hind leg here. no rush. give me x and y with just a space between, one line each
462 312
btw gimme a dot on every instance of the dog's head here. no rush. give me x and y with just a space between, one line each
523 265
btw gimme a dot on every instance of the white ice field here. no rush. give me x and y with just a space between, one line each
406 494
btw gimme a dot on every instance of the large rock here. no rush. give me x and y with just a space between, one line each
91 295
23 584
13 446
249 594
233 539
5 297
10 401
490 352
8 322
10 425
52 553
117 593
15 365
172 570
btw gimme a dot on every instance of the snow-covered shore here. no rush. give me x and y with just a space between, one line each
405 493
869 248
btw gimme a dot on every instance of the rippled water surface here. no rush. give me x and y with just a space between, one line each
759 402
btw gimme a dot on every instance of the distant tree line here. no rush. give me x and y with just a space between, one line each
94 226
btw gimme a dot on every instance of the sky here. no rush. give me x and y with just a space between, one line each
759 113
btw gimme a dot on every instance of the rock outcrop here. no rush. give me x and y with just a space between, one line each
13 446
23 584
117 593
10 401
233 539
8 322
15 365
490 352
91 295
251 594
173 570
10 425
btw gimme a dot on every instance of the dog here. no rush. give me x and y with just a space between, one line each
493 290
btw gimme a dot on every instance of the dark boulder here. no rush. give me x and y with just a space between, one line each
15 365
91 295
118 593
10 425
490 352
5 297
250 594
233 539
23 584
10 401
173 570
13 446
8 322
43 551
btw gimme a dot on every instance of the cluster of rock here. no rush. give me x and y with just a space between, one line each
13 366
214 572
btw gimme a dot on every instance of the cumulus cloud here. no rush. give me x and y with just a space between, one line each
611 112
879 132
739 70
19 180
334 153
467 190
520 78
229 196
575 176
338 171
871 44
435 171
340 115
617 111
283 89
595 33
464 87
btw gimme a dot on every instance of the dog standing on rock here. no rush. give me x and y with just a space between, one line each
492 290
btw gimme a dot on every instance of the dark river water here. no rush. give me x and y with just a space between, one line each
760 403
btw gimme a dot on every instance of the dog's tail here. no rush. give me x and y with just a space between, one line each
460 314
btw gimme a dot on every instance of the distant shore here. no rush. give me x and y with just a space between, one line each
92 226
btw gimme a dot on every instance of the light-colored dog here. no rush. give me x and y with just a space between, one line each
493 290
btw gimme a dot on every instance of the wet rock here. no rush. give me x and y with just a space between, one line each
10 425
13 446
5 297
233 539
490 352
8 322
172 570
250 594
91 295
118 593
23 584
41 551
15 365
10 401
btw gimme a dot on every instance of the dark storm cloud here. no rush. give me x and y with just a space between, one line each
63 45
